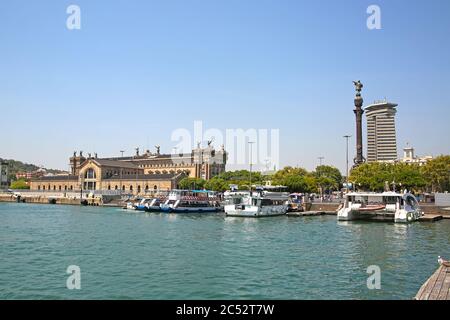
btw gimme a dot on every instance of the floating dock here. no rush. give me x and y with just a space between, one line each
437 287
431 218
310 213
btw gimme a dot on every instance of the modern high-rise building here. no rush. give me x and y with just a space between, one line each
381 135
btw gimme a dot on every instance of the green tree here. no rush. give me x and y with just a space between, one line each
217 184
295 179
19 184
241 178
192 183
373 176
328 177
436 174
287 172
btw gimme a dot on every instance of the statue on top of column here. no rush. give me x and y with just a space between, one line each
358 87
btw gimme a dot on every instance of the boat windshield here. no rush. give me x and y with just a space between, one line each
234 200
373 199
410 202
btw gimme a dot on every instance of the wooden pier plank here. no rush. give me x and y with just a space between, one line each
426 288
437 287
444 293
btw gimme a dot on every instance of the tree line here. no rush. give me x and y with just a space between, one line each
434 176
295 179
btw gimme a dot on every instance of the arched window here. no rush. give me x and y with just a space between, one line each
65 188
139 189
146 188
60 188
43 187
39 187
155 187
90 174
116 187
131 188
123 188
54 188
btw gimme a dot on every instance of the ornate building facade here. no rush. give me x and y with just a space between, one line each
136 174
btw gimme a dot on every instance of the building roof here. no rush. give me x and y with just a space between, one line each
114 163
380 106
150 177
152 158
168 176
56 178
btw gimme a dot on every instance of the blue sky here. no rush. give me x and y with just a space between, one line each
138 70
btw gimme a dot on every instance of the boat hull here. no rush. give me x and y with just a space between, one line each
246 211
401 216
189 210
153 209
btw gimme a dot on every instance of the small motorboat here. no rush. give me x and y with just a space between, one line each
372 207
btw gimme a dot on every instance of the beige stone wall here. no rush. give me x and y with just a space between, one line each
55 185
138 186
129 186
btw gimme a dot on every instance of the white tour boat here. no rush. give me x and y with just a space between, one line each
191 201
386 206
264 202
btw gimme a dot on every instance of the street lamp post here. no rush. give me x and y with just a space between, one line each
346 172
320 160
320 186
251 149
81 190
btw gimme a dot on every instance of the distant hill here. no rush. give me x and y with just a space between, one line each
18 166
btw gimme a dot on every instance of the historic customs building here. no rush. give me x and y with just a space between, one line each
137 174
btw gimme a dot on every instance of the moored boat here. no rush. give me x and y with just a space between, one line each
295 202
143 204
191 201
154 205
264 202
386 206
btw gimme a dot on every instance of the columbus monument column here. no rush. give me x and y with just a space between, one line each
358 113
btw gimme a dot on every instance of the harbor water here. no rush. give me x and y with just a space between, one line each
133 255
